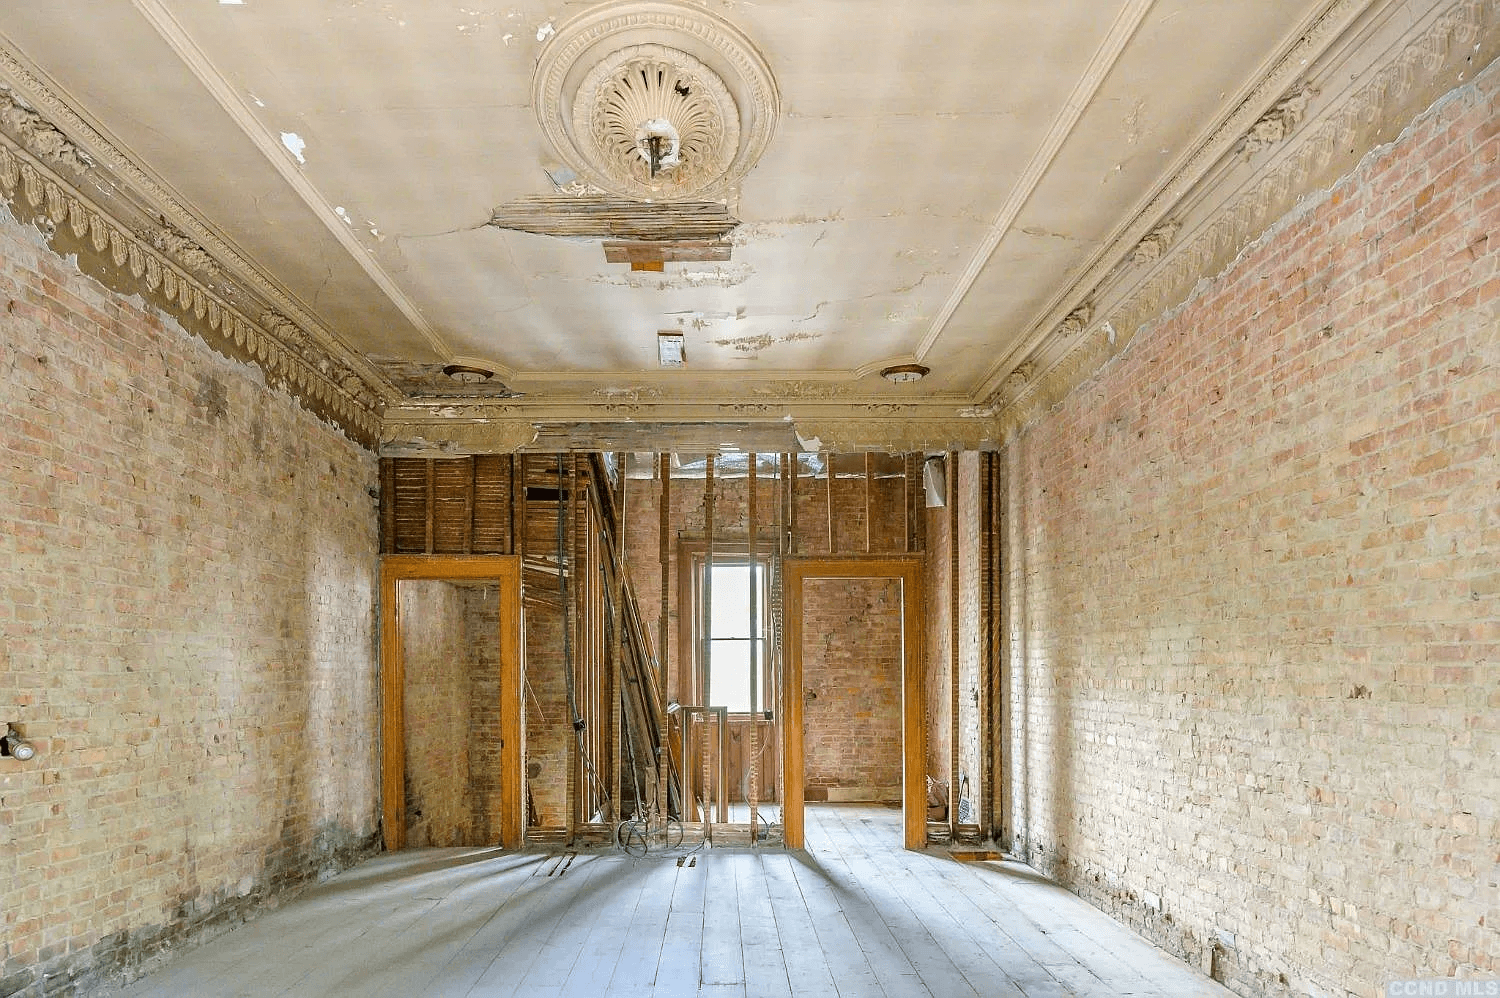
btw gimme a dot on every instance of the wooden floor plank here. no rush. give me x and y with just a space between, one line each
760 944
639 957
544 911
600 952
806 968
855 916
723 959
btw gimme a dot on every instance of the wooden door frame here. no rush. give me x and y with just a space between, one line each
908 570
505 570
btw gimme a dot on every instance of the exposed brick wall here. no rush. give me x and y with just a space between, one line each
486 777
187 566
548 723
1253 594
436 705
851 666
450 634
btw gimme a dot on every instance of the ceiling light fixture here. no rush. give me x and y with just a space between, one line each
902 373
467 375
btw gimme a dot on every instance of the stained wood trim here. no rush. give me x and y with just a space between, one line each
505 570
908 569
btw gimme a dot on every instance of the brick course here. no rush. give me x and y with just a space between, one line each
187 566
1252 604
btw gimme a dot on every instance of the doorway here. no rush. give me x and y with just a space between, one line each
504 572
801 574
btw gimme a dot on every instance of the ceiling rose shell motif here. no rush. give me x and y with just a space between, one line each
655 100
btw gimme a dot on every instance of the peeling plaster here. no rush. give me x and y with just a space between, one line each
294 145
718 277
760 341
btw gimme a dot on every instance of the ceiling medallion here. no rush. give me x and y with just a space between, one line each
655 100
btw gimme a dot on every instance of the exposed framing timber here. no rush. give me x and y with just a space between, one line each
505 570
908 569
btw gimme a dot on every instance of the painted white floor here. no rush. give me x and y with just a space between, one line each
854 916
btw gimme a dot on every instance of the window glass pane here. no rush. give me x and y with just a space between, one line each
729 675
729 601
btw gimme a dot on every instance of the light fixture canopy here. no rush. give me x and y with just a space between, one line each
466 374
902 373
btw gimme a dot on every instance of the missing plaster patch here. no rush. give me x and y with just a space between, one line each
294 145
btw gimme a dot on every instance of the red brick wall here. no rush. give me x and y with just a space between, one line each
1253 593
186 630
851 674
549 728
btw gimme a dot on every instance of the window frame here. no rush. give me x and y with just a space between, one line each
691 639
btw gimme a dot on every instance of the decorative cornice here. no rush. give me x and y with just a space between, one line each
895 436
179 247
1277 123
1301 146
1302 162
1155 243
108 250
136 191
1186 176
232 101
38 135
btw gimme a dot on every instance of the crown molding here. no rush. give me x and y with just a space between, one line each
132 190
1307 124
1121 31
227 97
42 173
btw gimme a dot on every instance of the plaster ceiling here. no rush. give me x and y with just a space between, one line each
937 179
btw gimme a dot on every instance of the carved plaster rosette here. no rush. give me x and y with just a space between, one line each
616 76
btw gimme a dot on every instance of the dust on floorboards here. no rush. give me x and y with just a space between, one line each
854 916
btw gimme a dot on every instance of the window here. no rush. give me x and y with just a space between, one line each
735 646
